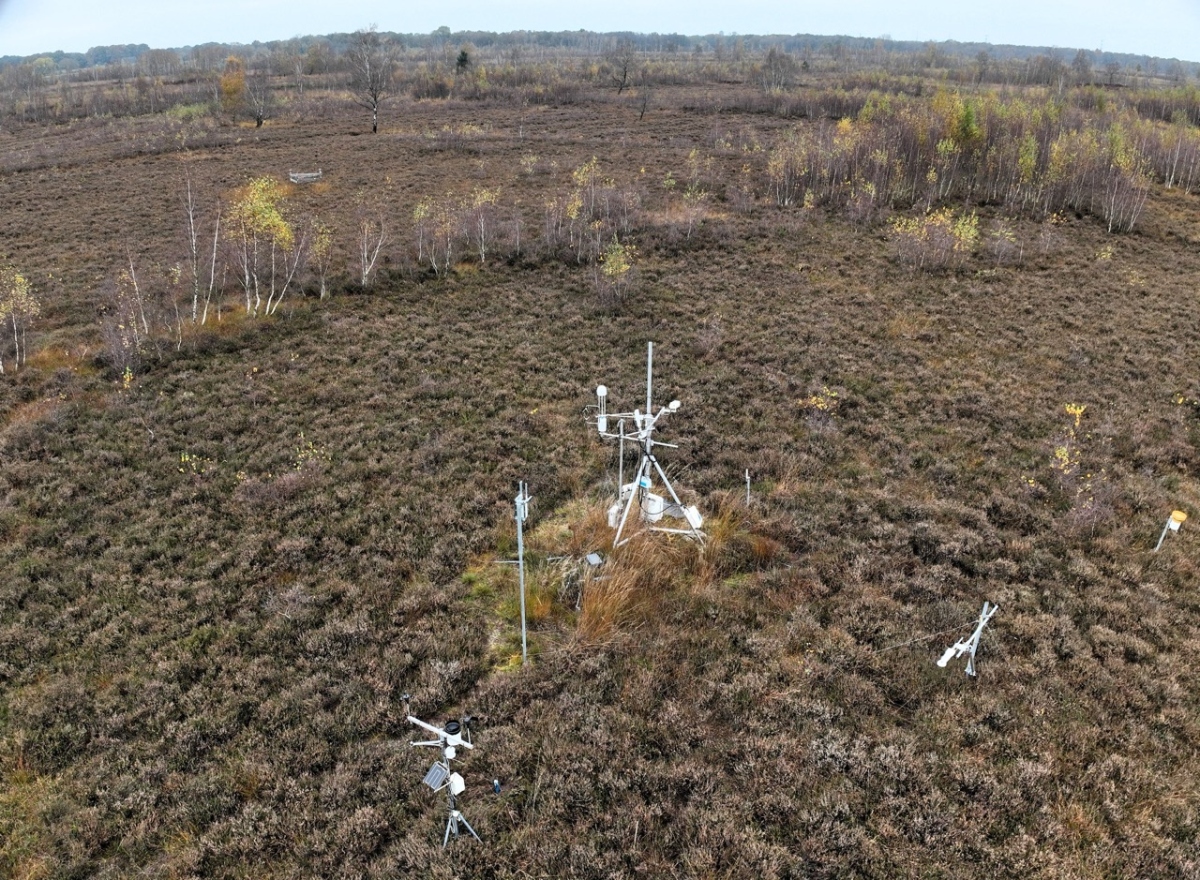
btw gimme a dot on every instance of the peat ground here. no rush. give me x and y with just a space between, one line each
218 575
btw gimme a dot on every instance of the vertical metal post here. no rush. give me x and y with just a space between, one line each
1163 536
451 825
649 373
634 496
621 459
747 487
522 511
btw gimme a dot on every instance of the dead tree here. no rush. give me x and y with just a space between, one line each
260 95
623 59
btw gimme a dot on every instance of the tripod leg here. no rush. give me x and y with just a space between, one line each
469 828
695 532
629 504
449 825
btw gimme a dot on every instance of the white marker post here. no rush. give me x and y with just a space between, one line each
1174 521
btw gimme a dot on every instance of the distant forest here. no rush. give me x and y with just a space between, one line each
850 50
547 68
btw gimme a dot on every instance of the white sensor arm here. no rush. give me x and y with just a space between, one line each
955 650
602 415
450 739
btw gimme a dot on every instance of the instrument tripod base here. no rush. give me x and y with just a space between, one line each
456 816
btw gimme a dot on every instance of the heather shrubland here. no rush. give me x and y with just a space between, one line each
231 539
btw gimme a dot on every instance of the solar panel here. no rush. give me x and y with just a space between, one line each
437 776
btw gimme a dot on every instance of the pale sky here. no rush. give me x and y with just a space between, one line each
1166 28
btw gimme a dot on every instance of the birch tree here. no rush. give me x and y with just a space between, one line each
623 59
446 226
18 308
482 218
371 229
266 248
260 95
201 260
124 318
321 254
372 70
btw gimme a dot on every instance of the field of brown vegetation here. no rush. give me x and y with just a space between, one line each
950 331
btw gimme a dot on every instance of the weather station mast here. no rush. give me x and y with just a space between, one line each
652 507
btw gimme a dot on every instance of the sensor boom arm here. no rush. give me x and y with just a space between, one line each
444 738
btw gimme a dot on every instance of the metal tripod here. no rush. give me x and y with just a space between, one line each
449 738
638 492
452 821
641 485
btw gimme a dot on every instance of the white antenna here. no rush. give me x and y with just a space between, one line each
652 507
1174 521
449 739
969 645
522 502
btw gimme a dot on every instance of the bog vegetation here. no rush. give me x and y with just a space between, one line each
259 440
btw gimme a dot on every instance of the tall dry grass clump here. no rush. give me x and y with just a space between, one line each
653 565
735 543
631 581
607 604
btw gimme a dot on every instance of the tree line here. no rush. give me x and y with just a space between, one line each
522 66
925 152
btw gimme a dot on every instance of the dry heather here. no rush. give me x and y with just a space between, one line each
219 571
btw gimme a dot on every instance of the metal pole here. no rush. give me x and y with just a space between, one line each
1163 536
621 458
633 496
747 487
522 510
649 373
